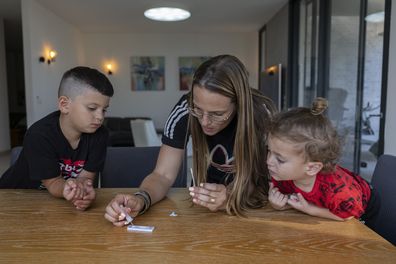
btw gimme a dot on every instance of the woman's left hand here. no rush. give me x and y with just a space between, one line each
210 195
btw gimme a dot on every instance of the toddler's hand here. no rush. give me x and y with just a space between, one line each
298 202
276 199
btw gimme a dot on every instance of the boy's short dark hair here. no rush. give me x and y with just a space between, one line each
76 79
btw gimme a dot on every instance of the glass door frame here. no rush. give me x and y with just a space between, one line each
385 68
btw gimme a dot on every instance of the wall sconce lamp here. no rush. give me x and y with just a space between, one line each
50 57
109 67
271 70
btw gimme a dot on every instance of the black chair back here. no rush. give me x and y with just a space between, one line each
384 181
126 167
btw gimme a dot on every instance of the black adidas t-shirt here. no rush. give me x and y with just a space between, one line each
220 145
47 154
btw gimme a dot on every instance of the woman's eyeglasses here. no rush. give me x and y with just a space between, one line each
213 118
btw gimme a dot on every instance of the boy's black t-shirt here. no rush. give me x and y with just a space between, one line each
47 154
221 145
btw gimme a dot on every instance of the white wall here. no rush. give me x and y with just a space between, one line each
390 121
43 30
100 48
277 37
4 120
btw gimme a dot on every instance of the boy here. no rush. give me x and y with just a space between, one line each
63 151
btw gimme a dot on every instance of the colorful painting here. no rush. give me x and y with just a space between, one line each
187 67
147 73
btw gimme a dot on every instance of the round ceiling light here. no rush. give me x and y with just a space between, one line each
167 14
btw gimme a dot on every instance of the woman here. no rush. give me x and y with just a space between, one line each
228 123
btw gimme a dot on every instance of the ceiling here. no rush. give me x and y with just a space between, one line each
126 16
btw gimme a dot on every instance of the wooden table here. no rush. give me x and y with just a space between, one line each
37 228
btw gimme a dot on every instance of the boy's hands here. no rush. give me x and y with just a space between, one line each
277 200
80 192
88 197
72 189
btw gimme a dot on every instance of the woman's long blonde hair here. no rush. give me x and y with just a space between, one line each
226 75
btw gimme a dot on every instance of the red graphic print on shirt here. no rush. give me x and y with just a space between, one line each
71 168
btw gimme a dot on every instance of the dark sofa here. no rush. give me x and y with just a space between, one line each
120 134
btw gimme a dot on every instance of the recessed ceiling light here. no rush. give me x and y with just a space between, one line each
375 17
167 14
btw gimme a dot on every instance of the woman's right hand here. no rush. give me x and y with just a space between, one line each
210 195
130 204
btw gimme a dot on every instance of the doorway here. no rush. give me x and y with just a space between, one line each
15 80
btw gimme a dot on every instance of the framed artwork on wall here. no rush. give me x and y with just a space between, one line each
187 67
147 73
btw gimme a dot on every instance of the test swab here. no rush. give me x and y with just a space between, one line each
192 177
128 218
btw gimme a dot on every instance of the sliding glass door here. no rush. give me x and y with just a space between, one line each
343 90
340 54
308 52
